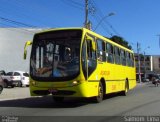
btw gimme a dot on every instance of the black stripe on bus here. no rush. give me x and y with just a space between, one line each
110 80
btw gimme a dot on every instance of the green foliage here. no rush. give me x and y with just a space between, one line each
121 41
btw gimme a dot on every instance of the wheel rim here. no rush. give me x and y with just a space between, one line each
100 91
126 89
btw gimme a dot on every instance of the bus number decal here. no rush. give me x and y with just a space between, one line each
113 87
105 73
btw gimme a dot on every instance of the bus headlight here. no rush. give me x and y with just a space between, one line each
75 83
33 83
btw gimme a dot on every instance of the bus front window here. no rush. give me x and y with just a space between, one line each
56 56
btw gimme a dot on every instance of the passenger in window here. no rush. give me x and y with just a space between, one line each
67 54
46 62
100 56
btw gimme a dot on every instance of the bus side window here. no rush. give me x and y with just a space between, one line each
127 59
117 55
110 53
132 60
101 50
123 57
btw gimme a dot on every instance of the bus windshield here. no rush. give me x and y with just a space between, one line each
55 55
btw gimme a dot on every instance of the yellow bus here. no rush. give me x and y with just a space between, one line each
76 62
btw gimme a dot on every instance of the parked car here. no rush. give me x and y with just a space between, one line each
156 80
1 84
8 82
25 78
18 78
2 72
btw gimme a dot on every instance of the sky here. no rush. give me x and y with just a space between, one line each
137 21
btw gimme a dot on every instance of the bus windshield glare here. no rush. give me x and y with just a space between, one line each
56 55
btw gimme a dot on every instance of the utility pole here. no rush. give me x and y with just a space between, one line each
86 14
139 63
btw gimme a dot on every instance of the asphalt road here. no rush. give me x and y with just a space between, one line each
144 100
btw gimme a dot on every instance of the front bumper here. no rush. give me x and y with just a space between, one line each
81 90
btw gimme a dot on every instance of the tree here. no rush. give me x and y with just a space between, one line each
120 41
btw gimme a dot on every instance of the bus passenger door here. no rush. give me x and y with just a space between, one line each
91 60
88 57
91 55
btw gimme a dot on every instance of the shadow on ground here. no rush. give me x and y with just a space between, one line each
47 102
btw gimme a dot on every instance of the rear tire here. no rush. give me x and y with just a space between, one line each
99 98
124 93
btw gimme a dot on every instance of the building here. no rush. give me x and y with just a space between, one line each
156 64
12 42
148 64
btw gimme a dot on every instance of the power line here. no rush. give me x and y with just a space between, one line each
20 9
79 4
37 8
101 15
16 23
74 4
104 27
98 15
22 30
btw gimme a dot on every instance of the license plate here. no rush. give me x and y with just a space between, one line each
53 90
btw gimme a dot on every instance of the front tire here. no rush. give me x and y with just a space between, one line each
99 98
125 92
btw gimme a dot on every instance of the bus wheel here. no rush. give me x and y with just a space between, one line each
124 93
99 98
58 99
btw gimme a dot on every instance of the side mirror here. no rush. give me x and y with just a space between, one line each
28 43
25 54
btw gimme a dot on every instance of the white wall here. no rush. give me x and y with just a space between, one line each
12 42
